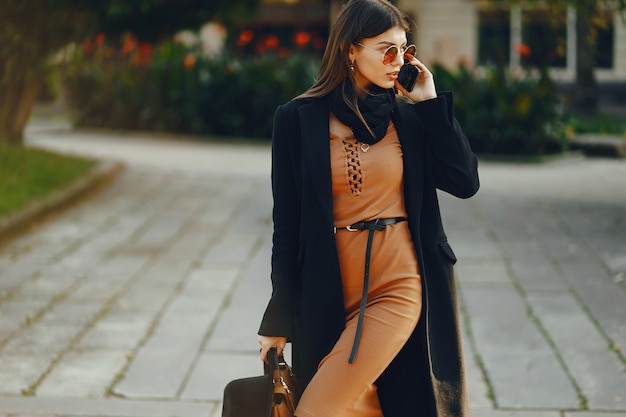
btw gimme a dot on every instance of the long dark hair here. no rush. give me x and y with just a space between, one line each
358 19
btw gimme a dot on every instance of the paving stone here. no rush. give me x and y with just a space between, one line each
477 388
520 365
34 249
596 369
161 231
485 272
143 299
562 247
536 273
213 216
43 336
19 272
49 285
163 273
118 267
214 370
600 296
20 370
17 311
189 247
160 366
6 330
593 414
157 372
209 277
514 413
237 329
232 248
77 407
98 290
83 374
239 322
196 309
116 330
80 312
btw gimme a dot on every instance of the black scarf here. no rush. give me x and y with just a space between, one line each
376 109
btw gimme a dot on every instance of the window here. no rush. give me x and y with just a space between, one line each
533 37
494 34
603 37
544 38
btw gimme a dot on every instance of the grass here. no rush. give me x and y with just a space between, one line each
28 174
603 124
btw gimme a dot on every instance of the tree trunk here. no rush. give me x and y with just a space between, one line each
16 103
585 95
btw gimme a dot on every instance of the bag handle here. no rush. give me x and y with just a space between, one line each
273 361
272 356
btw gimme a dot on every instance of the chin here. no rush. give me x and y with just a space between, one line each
386 84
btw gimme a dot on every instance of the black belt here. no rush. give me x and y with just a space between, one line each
372 226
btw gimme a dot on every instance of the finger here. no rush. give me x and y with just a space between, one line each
424 71
264 348
263 355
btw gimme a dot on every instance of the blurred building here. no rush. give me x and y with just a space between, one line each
481 32
450 32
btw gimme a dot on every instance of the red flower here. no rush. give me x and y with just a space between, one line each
88 46
523 50
100 39
245 37
130 43
272 42
302 39
189 60
144 53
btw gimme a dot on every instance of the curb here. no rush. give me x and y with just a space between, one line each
101 174
600 145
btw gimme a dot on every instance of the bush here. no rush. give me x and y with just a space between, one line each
602 124
172 88
503 113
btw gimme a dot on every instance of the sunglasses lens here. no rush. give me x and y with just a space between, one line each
409 53
390 54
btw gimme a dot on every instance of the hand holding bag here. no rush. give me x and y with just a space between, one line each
274 394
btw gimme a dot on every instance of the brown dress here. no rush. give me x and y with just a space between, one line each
367 185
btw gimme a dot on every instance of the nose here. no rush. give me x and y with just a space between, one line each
399 59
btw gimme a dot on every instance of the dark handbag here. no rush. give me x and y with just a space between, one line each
274 394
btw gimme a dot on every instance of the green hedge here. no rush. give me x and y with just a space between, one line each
171 88
506 113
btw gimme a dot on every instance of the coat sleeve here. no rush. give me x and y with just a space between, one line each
279 314
455 166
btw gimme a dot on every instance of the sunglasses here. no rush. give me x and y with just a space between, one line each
390 54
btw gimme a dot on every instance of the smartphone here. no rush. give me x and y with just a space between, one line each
408 75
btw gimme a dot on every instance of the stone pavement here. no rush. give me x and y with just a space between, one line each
144 300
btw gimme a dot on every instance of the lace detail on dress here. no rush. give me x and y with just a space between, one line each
353 161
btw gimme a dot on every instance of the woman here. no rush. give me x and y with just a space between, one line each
361 269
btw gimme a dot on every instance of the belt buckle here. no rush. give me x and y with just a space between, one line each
350 229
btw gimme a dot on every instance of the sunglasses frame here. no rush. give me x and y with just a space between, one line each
398 51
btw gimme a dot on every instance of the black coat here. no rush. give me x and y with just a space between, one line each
427 378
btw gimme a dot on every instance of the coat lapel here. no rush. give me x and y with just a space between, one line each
316 152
